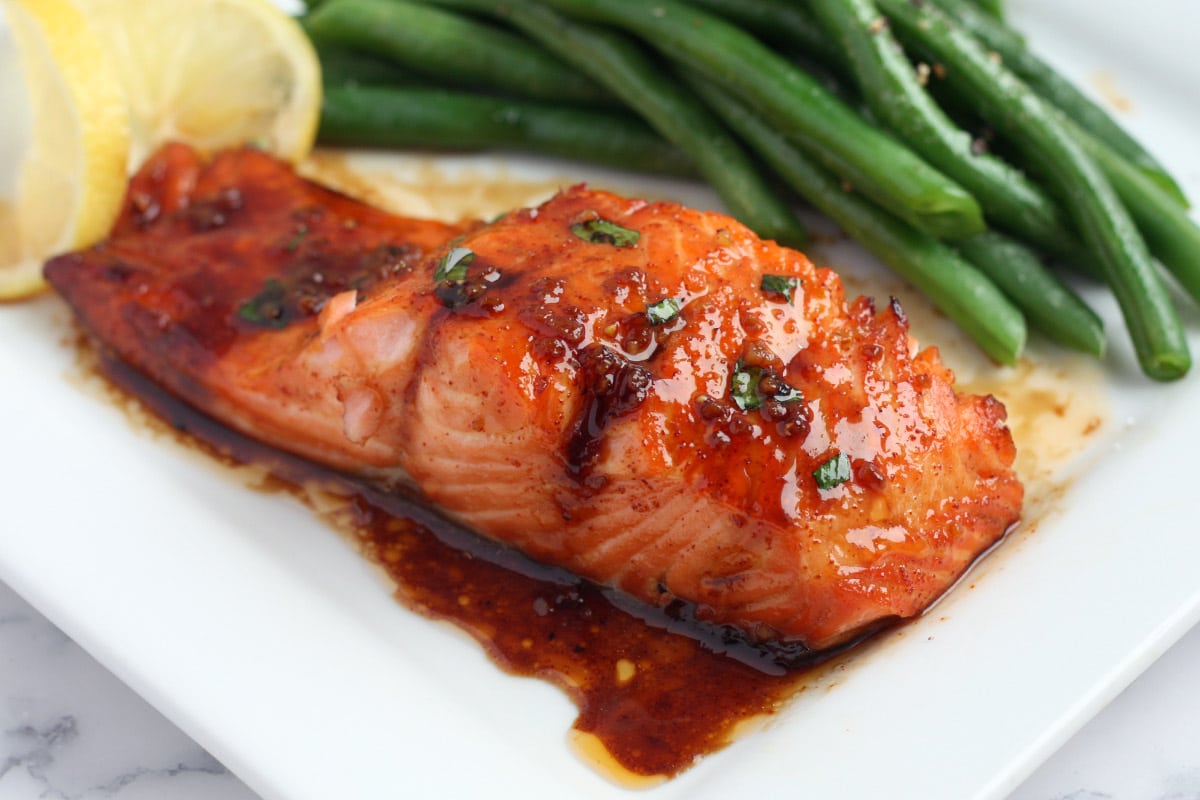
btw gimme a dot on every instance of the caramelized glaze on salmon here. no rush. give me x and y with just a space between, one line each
647 395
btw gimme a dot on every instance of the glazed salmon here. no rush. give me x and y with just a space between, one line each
644 394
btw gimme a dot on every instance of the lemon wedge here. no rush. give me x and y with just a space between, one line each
101 83
212 73
66 140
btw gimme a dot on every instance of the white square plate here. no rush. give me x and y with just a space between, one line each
265 637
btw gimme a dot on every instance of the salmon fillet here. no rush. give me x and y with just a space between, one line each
647 395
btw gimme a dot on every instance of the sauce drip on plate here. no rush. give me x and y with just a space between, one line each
654 700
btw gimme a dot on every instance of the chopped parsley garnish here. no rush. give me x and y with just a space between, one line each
267 308
601 231
747 389
833 472
780 284
744 387
663 311
453 266
297 238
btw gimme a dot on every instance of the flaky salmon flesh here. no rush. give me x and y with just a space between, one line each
646 395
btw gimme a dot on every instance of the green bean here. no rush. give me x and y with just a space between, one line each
958 289
871 161
1058 91
340 66
1003 39
895 95
642 84
1050 306
1104 224
781 22
788 23
993 8
442 119
1173 237
450 48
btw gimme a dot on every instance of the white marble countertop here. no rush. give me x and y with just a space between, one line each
69 730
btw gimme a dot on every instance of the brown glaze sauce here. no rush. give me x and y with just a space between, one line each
655 692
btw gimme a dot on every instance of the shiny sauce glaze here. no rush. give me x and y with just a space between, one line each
655 689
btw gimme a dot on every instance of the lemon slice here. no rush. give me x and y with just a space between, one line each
65 143
212 73
105 82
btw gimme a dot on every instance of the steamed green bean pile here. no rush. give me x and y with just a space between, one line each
869 111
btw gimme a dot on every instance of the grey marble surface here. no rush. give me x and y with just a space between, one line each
69 730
